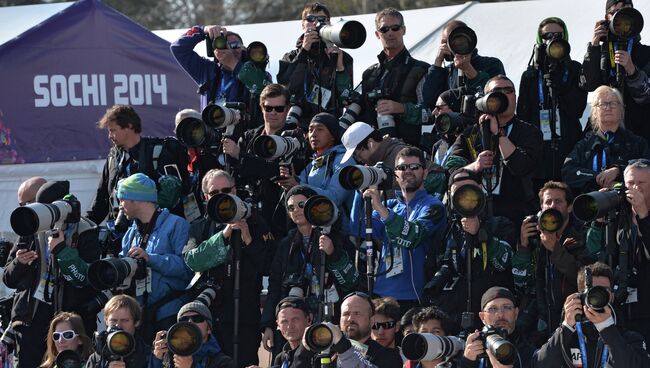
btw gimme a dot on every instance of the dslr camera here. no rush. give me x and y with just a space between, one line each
385 123
114 344
494 339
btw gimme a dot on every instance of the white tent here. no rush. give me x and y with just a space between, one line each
505 30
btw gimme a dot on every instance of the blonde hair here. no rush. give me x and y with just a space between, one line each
598 95
77 325
124 301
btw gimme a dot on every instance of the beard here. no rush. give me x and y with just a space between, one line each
356 333
411 183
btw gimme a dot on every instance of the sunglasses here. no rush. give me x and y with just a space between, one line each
319 18
504 90
225 190
394 28
412 167
268 108
291 207
67 335
195 318
385 325
235 45
552 35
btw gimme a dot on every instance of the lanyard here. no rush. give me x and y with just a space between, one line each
441 161
603 161
540 86
613 47
223 87
583 348
304 83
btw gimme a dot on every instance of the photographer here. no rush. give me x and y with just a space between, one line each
435 321
498 310
43 272
589 337
607 55
508 167
551 98
209 355
209 251
316 74
395 82
551 277
297 262
66 333
469 70
597 161
385 321
121 313
292 317
156 239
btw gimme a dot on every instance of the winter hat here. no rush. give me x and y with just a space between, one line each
52 191
198 308
137 187
495 293
331 123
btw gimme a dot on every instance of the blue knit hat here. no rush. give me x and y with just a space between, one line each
137 187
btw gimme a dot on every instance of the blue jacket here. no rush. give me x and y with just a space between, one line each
165 249
409 228
322 175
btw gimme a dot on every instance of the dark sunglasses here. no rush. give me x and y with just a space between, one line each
235 44
68 335
225 190
394 28
385 325
412 167
291 207
552 35
268 108
504 90
196 319
319 18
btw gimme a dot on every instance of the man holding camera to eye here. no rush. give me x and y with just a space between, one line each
620 63
472 68
316 73
589 335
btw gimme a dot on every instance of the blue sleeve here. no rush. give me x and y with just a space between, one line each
173 264
331 187
199 68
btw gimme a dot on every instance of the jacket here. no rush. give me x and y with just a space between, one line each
376 356
407 233
595 153
140 358
165 247
208 356
639 86
524 348
322 175
399 79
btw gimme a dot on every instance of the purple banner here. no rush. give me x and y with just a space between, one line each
59 77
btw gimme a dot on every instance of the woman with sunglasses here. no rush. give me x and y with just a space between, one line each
66 333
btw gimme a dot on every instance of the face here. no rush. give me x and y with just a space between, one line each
500 312
391 40
320 137
551 27
409 180
614 8
239 47
203 326
500 85
607 112
441 107
432 326
556 199
355 318
119 136
62 343
218 184
307 25
384 336
639 178
273 119
122 319
408 329
292 323
131 208
296 212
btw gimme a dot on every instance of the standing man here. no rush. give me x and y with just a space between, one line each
391 88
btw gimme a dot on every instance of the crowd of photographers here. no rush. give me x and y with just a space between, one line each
324 223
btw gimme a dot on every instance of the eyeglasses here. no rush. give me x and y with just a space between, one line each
67 335
268 108
440 107
639 162
319 18
394 28
552 35
412 167
291 207
385 325
607 104
235 44
225 190
504 90
197 318
504 309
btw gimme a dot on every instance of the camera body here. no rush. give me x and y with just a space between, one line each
495 340
114 344
385 123
444 279
360 177
594 297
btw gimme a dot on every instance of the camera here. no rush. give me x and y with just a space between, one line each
594 297
319 337
385 123
36 217
228 209
271 147
351 112
320 211
224 116
294 114
462 40
494 340
184 339
427 346
549 220
441 280
548 54
346 34
625 24
116 273
114 344
452 122
68 359
207 295
96 304
590 206
468 200
359 177
193 132
220 42
294 284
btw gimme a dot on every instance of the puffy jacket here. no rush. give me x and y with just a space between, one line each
165 250
322 175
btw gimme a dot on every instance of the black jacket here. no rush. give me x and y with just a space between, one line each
571 103
525 351
376 354
138 359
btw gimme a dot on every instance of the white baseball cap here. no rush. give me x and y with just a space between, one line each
353 135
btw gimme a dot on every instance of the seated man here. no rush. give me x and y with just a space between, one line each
591 335
292 318
210 351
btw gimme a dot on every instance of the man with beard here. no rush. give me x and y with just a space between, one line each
498 310
406 225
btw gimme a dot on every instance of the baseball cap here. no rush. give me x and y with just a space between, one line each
355 133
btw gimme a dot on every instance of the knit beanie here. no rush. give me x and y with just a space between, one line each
609 3
52 191
198 308
137 187
331 123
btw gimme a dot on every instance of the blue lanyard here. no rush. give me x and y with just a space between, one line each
540 85
223 87
630 43
304 83
285 364
444 158
603 162
583 348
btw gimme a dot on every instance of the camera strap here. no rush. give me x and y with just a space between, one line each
583 348
148 229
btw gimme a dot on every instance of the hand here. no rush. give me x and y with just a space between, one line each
389 107
622 57
471 224
267 339
494 127
528 229
290 181
495 362
311 37
443 50
242 225
549 240
160 345
484 160
138 253
26 257
214 31
572 307
336 332
474 347
463 62
637 200
230 148
52 242
339 56
374 194
600 31
183 361
606 178
597 317
325 244
117 364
